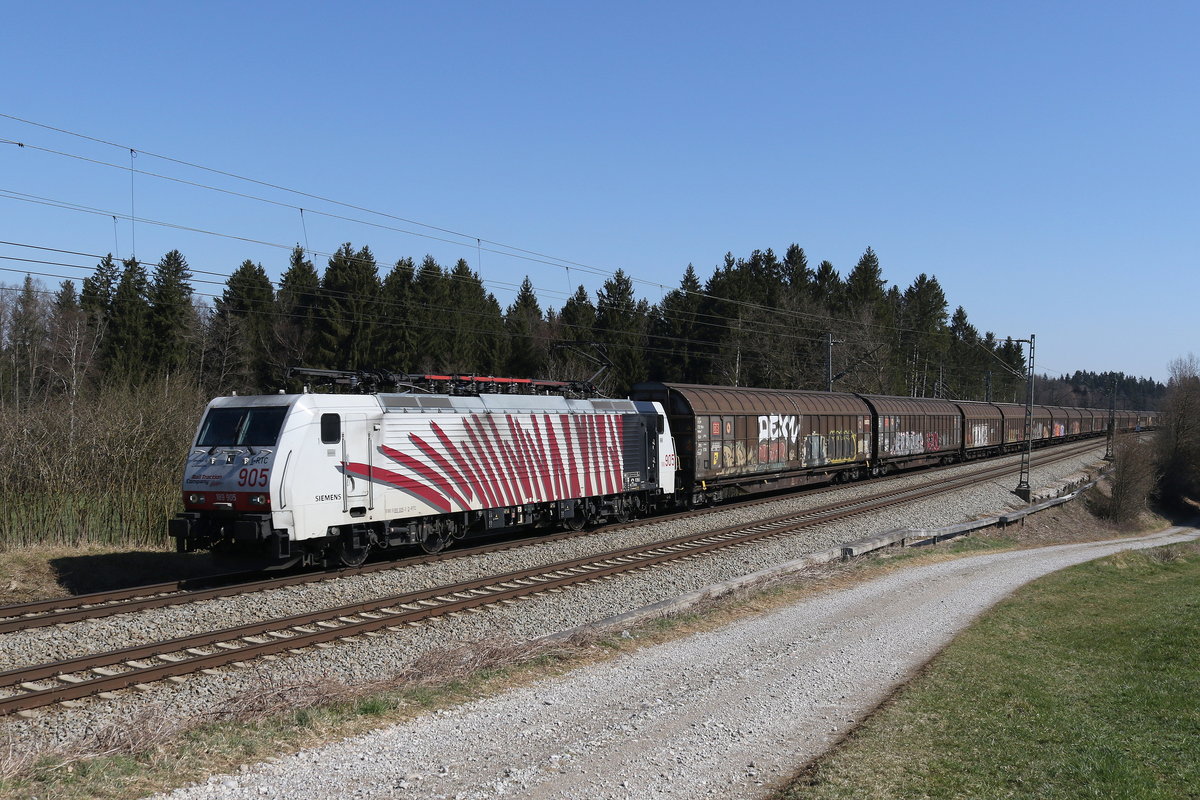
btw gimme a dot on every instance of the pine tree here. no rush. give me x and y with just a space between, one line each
244 316
796 273
129 340
621 329
1010 381
295 313
864 285
172 318
429 312
494 351
523 321
66 298
350 303
397 339
99 290
966 358
827 287
923 334
467 296
731 317
674 330
572 350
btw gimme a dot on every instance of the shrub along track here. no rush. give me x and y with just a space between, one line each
66 681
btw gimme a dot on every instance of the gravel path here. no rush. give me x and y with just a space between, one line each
721 714
371 659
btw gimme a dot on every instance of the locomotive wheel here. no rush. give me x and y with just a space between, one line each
439 537
350 555
585 514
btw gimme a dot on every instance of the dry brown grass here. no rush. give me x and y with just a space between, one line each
27 575
47 571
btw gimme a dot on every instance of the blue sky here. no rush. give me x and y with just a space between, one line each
1039 158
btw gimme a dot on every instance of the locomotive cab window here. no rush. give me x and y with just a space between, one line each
242 427
331 428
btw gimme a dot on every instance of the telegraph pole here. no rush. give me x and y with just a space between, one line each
1023 491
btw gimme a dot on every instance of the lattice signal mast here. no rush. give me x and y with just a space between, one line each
1023 491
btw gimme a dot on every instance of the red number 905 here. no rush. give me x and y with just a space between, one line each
253 477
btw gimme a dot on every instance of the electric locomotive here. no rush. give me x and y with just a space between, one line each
326 478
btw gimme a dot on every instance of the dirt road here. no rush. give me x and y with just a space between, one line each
722 714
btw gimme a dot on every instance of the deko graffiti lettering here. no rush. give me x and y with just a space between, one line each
775 433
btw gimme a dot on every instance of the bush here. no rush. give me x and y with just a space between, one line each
1133 479
102 468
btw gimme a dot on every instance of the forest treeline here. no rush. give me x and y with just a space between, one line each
102 384
759 321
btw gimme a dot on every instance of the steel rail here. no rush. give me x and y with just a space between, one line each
97 605
106 672
121 601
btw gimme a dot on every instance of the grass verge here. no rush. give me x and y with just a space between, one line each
1083 685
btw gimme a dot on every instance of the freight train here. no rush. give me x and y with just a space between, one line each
326 478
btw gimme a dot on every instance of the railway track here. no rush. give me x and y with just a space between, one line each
97 605
67 681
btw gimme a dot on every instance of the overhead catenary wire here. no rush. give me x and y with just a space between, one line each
710 320
696 317
383 305
385 323
529 255
508 250
770 320
701 348
302 193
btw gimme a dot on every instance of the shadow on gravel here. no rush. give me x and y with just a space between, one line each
103 572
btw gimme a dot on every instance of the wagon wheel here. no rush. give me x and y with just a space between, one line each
574 523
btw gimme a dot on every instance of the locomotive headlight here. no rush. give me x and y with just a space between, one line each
195 498
259 499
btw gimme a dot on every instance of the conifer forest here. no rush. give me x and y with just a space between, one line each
101 385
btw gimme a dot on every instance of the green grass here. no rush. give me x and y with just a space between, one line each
1085 684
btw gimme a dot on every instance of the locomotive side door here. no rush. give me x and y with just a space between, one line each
357 449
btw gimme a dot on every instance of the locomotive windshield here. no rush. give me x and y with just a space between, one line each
256 426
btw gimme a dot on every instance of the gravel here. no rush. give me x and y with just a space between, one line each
380 657
729 713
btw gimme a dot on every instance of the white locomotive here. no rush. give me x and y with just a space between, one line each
322 478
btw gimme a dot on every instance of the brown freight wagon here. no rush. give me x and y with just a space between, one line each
736 440
911 431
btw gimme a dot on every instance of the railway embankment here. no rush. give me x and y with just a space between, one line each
367 662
